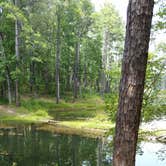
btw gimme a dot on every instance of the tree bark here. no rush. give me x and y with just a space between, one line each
57 58
134 64
17 100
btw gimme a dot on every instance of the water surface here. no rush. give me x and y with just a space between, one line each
40 148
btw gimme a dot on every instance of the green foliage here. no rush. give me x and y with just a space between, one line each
154 96
152 112
111 105
3 101
160 23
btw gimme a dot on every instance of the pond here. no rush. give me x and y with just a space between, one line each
41 148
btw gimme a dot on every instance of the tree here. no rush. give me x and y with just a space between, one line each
9 45
82 24
112 32
17 58
58 43
139 17
70 30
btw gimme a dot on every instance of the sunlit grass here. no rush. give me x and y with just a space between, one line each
83 113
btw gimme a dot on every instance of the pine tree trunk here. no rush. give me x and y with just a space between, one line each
57 59
17 100
139 18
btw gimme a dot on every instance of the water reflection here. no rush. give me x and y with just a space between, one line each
37 148
153 154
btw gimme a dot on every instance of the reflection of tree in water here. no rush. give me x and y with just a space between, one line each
161 154
139 149
160 149
36 148
107 151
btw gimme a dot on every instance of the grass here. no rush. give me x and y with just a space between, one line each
83 114
86 115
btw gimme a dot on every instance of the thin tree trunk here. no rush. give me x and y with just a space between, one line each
76 70
107 86
139 18
47 79
8 85
68 76
17 59
32 79
57 58
97 86
2 90
105 63
85 76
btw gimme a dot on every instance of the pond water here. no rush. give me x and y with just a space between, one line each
41 148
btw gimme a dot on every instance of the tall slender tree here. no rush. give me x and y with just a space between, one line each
58 44
139 17
17 58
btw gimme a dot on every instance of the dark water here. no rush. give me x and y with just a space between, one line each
39 148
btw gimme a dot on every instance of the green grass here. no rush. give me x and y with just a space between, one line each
79 117
84 113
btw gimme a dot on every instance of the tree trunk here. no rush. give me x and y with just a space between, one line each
76 70
57 58
2 90
32 78
8 85
105 63
139 18
85 75
17 59
47 79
